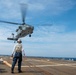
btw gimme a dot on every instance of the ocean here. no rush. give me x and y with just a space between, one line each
57 58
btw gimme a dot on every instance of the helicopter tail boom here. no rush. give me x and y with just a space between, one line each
12 39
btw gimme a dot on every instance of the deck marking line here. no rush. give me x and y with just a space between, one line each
69 65
5 62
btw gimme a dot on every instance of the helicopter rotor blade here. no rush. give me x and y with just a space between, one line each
45 24
10 22
23 12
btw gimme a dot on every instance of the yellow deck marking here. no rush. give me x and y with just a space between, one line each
5 62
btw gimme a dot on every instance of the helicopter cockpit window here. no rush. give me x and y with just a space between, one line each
20 27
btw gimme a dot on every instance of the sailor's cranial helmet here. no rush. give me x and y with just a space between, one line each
19 41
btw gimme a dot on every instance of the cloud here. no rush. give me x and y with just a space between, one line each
47 31
6 30
52 34
51 7
57 42
54 39
56 45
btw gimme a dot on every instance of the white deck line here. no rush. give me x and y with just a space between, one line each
69 65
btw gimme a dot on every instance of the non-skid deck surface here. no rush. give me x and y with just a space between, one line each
39 66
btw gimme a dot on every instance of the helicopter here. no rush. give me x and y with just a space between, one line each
23 28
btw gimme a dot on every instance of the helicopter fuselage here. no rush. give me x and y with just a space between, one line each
24 30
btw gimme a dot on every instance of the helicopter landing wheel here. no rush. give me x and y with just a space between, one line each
30 35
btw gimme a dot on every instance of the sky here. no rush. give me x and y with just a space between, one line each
54 24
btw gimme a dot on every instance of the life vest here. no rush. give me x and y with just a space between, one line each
18 48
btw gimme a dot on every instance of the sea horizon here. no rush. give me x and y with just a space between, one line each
48 57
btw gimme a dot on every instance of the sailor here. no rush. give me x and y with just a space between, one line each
17 56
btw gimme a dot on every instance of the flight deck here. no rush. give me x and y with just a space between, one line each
38 66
